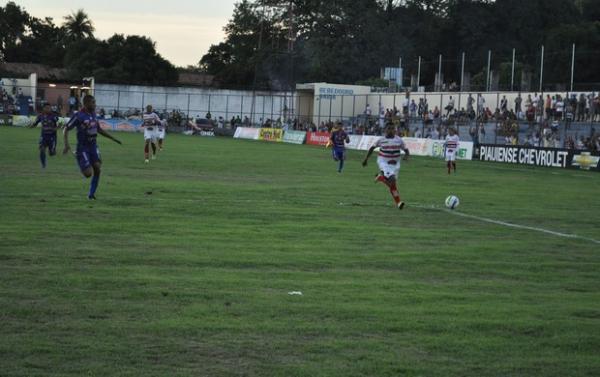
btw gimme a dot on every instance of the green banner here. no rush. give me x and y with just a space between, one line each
294 137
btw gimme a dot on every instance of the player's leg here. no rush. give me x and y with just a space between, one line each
153 145
52 146
161 139
85 165
97 169
42 149
341 156
146 150
394 192
454 162
383 175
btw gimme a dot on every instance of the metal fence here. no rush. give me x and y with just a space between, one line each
547 119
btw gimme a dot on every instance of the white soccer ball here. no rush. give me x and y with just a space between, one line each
452 202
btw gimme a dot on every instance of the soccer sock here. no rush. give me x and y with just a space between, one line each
449 166
146 150
160 143
454 166
383 180
153 148
341 165
43 158
94 185
395 193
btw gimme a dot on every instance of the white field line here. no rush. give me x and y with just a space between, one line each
507 224
315 203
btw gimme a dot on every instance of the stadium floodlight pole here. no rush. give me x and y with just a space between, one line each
419 74
487 77
399 84
440 73
462 74
572 67
542 70
512 76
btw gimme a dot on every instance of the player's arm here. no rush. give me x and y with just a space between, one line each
406 153
108 136
34 124
369 153
68 127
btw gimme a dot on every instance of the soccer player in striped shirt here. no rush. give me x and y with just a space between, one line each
150 122
451 147
390 150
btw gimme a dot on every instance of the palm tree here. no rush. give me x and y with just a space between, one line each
78 25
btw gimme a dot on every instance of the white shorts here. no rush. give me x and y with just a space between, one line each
149 134
387 168
451 155
161 134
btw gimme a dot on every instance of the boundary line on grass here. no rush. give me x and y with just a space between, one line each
507 224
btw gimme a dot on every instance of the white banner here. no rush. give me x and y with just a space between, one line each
247 133
417 147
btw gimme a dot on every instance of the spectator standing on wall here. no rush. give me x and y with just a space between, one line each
559 106
413 109
548 107
503 104
450 106
405 104
528 102
480 103
580 116
518 102
470 101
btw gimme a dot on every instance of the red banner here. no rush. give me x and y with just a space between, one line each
317 138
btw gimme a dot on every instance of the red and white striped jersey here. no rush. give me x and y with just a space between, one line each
390 147
150 120
452 142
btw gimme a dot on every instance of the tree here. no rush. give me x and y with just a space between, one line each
13 23
78 26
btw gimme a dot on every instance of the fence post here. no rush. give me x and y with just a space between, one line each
342 110
143 100
226 109
188 107
118 101
209 96
330 106
272 108
353 107
319 116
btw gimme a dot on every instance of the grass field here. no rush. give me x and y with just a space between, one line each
193 279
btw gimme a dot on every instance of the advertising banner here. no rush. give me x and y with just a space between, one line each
294 137
465 149
126 125
418 147
6 120
354 141
366 142
22 120
317 138
270 134
246 133
548 157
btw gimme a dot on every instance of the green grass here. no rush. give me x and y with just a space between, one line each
193 279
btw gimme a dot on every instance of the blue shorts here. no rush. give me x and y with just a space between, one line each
48 141
339 153
87 156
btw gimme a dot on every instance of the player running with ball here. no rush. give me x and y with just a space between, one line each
390 148
451 147
87 154
150 122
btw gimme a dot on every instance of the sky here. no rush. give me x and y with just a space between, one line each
182 29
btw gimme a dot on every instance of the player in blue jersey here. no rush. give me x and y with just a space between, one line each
87 154
49 122
338 140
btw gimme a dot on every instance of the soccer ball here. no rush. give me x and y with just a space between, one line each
452 202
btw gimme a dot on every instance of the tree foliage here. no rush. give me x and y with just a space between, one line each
346 41
120 59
